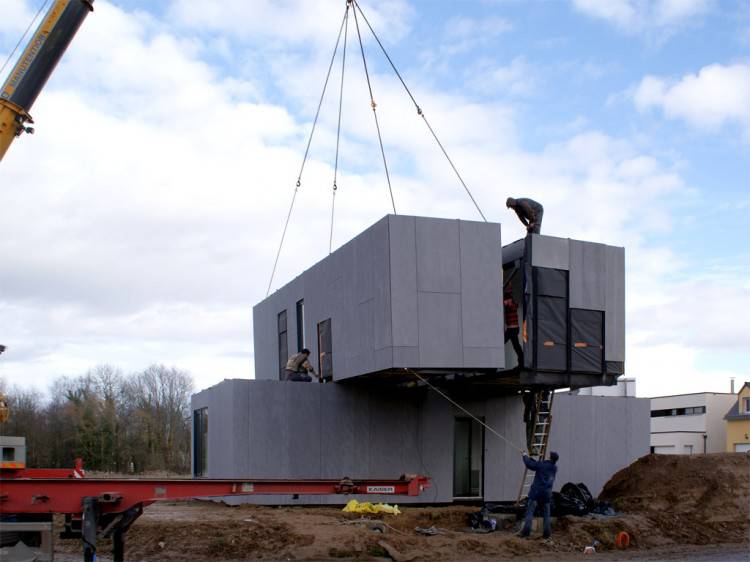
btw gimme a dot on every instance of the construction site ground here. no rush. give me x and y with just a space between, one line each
673 507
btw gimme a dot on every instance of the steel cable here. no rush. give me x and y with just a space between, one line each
25 33
419 109
374 113
307 150
338 127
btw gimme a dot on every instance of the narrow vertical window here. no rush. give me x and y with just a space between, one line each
325 350
283 345
200 442
300 324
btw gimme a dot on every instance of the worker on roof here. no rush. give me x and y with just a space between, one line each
529 212
511 322
541 491
298 367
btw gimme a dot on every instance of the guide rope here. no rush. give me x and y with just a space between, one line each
25 33
419 109
374 106
338 126
464 410
307 150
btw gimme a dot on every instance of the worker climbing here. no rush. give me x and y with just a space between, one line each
510 307
541 491
298 367
529 212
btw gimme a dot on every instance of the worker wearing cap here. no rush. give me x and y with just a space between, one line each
298 367
541 491
529 212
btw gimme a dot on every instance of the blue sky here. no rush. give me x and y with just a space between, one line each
146 231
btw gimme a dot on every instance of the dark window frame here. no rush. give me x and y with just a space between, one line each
200 442
283 342
300 307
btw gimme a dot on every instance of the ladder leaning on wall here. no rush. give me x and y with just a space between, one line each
539 437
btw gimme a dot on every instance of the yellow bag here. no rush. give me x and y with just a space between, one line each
366 507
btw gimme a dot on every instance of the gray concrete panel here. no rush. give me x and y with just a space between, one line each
549 251
268 430
440 330
303 414
481 357
403 270
406 356
614 317
438 261
588 271
481 285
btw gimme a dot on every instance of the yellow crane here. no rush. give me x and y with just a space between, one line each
34 67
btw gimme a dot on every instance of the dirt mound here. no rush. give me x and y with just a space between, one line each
693 499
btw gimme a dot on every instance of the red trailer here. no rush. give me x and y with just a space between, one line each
106 507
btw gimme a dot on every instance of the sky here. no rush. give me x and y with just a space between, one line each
139 224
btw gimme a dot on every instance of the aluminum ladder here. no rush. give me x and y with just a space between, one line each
539 437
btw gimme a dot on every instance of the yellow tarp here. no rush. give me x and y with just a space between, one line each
366 507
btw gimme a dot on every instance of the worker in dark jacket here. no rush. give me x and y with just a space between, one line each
298 367
511 323
529 212
541 491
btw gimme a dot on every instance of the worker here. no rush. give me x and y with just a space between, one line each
541 491
511 323
298 366
529 212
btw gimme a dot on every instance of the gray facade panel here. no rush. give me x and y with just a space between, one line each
438 258
303 415
614 319
481 285
549 251
588 272
268 430
403 264
440 330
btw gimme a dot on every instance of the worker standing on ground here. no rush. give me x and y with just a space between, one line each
511 323
529 212
541 491
298 367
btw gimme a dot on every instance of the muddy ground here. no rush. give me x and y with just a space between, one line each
673 507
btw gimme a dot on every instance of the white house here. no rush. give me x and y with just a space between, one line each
684 424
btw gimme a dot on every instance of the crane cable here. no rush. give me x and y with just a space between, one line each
419 109
338 127
464 410
25 33
307 150
373 105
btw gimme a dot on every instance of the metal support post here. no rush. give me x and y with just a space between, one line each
90 516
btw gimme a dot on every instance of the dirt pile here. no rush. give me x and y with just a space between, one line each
693 499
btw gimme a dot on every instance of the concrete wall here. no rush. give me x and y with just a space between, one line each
272 429
408 292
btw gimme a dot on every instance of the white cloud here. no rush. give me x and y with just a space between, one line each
514 79
642 15
716 95
140 223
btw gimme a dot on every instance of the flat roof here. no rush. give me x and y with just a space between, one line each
692 394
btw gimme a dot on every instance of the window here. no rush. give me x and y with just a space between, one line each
300 324
325 350
587 346
692 411
746 405
551 318
283 345
200 442
688 449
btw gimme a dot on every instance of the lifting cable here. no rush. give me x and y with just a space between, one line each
307 150
419 109
338 127
464 410
25 33
372 102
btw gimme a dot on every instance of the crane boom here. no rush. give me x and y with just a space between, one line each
34 67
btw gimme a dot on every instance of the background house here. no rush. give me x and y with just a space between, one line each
738 422
684 424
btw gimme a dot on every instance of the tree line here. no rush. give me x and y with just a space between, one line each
115 423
